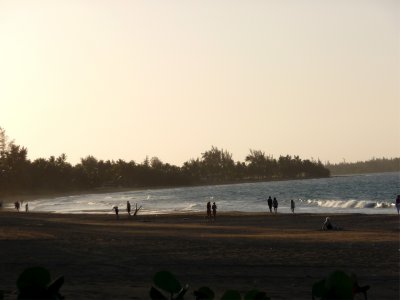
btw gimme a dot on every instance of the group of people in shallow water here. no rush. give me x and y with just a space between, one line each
273 203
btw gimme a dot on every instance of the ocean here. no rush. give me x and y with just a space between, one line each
365 194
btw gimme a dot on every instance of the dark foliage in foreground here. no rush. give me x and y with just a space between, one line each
338 285
18 174
165 282
35 283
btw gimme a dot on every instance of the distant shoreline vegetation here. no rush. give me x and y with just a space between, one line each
374 165
19 175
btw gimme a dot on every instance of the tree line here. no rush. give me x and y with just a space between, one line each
18 174
374 165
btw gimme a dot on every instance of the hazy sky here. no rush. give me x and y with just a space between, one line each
126 79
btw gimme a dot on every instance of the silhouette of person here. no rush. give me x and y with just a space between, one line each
128 208
209 210
115 208
398 204
270 204
16 204
214 210
26 207
292 205
275 205
327 224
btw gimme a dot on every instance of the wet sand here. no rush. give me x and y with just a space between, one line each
283 255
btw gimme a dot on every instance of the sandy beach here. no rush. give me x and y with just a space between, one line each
283 255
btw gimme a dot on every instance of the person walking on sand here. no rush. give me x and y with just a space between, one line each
398 204
275 205
16 204
270 204
292 205
214 210
128 208
209 210
115 208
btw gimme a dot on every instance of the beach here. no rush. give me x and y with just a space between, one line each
105 258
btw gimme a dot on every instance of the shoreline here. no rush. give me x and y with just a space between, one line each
105 190
31 196
105 258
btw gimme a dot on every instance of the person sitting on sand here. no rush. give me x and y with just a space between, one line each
214 210
328 225
398 204
270 204
292 205
209 210
275 205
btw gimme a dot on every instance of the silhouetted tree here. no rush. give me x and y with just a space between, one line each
218 164
18 174
257 163
374 165
3 140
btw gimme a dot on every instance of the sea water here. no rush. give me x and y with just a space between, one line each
366 193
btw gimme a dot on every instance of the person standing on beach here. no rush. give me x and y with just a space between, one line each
16 204
292 205
26 207
209 210
128 208
214 210
398 204
270 204
275 205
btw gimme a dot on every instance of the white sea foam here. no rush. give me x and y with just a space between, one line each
350 203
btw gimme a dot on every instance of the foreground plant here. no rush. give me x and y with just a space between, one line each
168 283
338 286
36 283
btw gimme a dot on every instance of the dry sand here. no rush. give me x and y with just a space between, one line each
283 255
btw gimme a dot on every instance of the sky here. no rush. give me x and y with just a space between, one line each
129 79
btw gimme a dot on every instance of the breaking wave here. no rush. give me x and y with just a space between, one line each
350 203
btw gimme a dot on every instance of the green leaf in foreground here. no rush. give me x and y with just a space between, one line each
167 282
319 290
204 293
35 277
34 283
256 295
231 295
156 294
339 285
